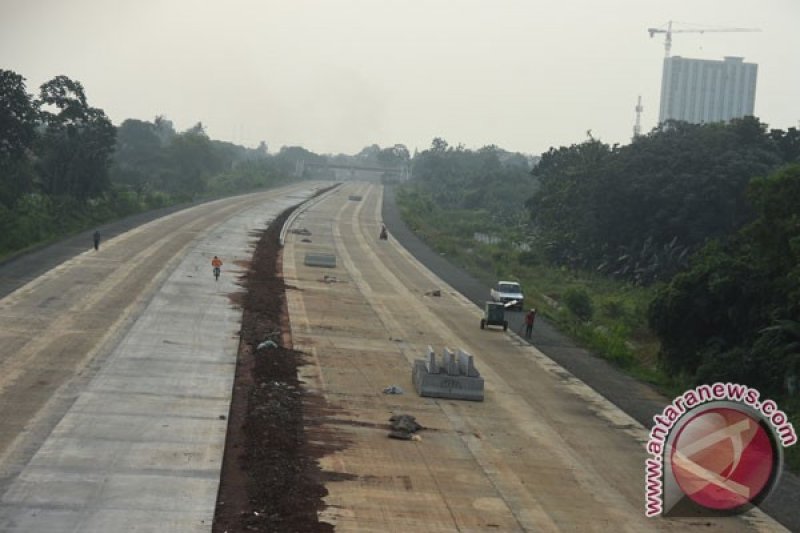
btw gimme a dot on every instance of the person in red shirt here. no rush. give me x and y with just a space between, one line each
530 317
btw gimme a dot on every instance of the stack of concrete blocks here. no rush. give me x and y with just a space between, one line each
456 378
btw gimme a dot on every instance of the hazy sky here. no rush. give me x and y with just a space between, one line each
337 75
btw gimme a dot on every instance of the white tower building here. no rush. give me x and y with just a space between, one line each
700 90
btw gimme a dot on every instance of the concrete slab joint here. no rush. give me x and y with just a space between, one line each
456 378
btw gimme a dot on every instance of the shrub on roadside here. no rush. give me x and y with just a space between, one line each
614 308
579 303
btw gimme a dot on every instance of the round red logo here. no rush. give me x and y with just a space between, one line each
723 458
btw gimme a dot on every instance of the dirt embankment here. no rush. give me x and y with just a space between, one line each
271 479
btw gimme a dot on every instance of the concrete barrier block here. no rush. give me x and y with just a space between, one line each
450 364
444 386
432 366
466 364
454 386
317 259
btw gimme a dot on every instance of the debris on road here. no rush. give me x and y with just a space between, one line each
434 292
393 389
329 279
404 427
270 340
300 231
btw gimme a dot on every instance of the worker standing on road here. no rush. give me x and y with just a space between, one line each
216 263
96 240
530 318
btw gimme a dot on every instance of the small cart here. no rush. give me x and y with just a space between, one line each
494 315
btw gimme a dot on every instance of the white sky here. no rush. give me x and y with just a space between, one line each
337 75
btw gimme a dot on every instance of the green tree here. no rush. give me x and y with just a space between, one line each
77 144
788 143
368 155
191 161
636 211
288 156
728 317
164 129
579 303
393 156
457 178
18 118
565 207
139 155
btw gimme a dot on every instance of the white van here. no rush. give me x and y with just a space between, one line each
508 291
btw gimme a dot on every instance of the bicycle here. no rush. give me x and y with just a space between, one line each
216 263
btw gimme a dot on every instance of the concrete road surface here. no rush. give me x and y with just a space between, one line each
115 375
542 452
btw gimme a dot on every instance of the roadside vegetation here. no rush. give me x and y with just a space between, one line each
676 257
64 167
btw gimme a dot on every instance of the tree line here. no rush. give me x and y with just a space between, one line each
637 212
734 314
64 166
489 179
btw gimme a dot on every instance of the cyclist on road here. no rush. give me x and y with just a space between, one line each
216 263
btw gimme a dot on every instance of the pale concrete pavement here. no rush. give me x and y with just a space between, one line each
117 373
542 452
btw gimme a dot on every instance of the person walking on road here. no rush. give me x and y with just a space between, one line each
216 263
96 239
530 318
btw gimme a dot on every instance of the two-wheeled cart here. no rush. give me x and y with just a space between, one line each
494 314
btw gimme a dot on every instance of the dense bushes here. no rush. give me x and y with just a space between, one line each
734 314
579 303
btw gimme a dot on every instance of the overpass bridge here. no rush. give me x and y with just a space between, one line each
354 172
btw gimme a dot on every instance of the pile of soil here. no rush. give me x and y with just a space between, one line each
271 479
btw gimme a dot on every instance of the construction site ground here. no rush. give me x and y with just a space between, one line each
542 452
125 373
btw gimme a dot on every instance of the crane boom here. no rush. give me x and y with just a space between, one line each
669 31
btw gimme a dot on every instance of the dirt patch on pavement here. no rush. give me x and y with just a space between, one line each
271 479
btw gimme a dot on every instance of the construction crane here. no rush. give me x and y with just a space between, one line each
669 31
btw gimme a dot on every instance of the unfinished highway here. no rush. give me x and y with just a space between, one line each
542 452
116 370
115 375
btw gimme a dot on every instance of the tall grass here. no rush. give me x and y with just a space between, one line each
617 329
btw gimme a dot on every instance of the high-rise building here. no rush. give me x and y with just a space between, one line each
700 90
